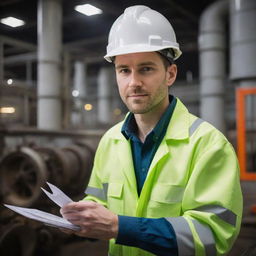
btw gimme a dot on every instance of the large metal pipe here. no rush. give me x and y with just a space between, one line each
243 42
105 88
212 63
80 88
1 63
80 78
243 56
49 62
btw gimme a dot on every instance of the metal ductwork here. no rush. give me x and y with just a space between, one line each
213 57
212 63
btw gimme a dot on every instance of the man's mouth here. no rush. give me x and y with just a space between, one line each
137 95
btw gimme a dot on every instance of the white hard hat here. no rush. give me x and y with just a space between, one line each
141 29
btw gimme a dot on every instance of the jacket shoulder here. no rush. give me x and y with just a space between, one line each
207 136
114 131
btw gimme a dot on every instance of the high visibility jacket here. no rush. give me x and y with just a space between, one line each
193 182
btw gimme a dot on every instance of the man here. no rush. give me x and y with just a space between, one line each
164 182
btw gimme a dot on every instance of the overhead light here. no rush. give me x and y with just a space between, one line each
7 110
117 112
88 107
12 22
88 9
75 93
9 81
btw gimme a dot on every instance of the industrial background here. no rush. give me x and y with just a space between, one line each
58 96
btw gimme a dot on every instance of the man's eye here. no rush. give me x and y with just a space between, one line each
124 70
146 69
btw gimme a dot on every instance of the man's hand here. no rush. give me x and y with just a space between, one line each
94 219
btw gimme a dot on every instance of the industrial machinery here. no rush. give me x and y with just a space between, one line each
23 171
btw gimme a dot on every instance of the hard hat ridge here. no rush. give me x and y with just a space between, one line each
135 11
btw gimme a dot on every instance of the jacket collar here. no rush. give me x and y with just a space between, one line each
178 128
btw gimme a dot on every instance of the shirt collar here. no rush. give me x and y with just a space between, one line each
129 128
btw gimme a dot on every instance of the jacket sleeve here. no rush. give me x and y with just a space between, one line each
96 190
212 203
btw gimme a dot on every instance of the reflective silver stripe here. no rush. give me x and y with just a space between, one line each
105 189
194 126
223 213
206 237
184 235
99 193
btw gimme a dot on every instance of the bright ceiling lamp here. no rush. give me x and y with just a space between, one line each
88 9
7 110
12 22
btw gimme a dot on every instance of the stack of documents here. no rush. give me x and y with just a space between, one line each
57 196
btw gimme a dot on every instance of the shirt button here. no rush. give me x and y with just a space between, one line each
156 137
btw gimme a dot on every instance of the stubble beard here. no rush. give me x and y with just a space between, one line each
138 106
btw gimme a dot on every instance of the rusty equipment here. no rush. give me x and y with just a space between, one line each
25 170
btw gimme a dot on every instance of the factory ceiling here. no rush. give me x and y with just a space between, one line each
86 36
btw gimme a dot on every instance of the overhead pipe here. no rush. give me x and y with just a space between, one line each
17 43
20 58
49 112
212 63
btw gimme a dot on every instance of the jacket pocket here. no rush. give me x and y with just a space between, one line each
165 200
115 197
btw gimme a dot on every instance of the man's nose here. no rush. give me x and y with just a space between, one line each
135 80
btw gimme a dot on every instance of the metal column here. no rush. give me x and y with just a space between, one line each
80 78
106 83
49 64
1 62
80 86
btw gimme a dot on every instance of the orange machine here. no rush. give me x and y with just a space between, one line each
246 132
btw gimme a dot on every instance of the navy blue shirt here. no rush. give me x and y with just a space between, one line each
143 153
154 235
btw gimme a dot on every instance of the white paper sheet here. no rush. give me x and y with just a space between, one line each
56 196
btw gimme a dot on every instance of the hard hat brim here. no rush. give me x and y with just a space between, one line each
140 48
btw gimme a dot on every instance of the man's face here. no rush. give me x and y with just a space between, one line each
143 81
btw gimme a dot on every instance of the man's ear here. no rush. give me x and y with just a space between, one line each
171 74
